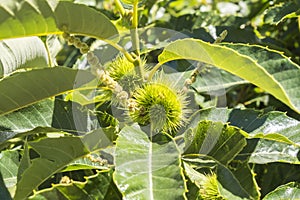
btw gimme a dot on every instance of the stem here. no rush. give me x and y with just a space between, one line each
49 56
152 72
136 41
135 21
121 49
120 7
139 68
134 30
118 47
299 23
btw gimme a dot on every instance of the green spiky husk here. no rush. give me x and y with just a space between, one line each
120 67
159 103
210 190
123 71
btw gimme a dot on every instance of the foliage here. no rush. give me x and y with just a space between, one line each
149 99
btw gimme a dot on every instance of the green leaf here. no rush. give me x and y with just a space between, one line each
281 82
237 186
27 18
279 12
222 142
48 116
56 153
4 194
29 52
284 72
95 187
265 151
9 163
25 88
66 116
193 175
215 81
246 177
25 161
54 46
82 20
289 191
269 125
143 170
28 118
228 186
272 175
273 137
177 78
46 17
92 161
10 139
72 117
211 114
256 122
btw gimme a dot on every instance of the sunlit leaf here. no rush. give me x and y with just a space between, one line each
38 114
54 46
228 186
96 187
215 139
277 135
281 82
55 153
72 117
44 17
88 162
215 81
143 170
9 163
268 151
284 72
47 116
289 191
25 88
29 52
80 19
